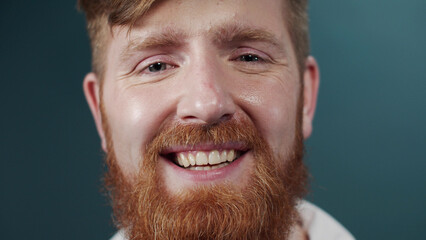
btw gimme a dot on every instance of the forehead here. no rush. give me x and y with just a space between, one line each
204 12
201 18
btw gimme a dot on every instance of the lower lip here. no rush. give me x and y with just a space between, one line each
206 175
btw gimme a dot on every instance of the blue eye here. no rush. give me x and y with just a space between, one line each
249 58
156 67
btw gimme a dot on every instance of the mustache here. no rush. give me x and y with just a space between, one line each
235 132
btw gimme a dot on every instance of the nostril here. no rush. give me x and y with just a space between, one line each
194 119
225 117
189 118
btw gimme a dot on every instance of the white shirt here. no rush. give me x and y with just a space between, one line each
318 224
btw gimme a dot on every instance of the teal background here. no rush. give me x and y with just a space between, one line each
366 155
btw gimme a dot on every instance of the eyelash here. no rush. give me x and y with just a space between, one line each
257 59
155 64
260 57
145 69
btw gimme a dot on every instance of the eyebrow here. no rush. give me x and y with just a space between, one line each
222 35
166 38
237 32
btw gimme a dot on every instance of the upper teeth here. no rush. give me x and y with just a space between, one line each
200 158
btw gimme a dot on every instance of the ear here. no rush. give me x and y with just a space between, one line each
310 92
91 91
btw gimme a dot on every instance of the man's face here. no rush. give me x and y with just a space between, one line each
203 63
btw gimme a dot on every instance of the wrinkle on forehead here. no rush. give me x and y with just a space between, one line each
221 34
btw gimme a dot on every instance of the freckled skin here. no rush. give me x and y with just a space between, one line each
202 82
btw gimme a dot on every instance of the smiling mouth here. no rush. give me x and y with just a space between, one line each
204 160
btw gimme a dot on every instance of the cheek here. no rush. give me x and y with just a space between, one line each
134 116
272 106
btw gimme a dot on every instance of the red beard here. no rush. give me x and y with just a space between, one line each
263 209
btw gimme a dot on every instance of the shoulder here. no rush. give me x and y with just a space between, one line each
320 225
120 235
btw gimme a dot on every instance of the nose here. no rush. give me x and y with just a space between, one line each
206 98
